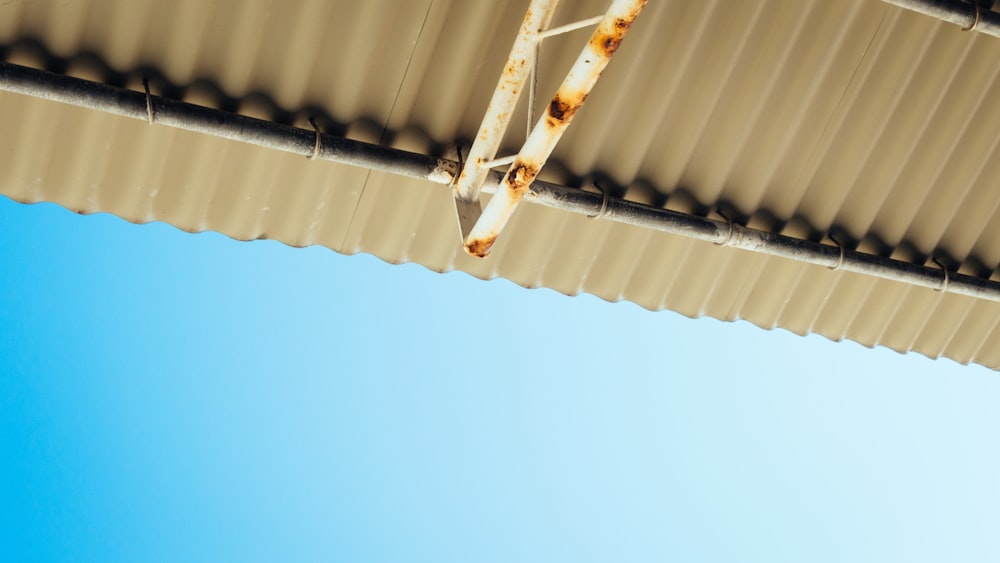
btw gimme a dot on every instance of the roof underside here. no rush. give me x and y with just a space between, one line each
800 117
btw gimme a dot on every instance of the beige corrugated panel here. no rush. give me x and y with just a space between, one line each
801 116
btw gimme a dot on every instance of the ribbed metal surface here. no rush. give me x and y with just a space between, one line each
800 116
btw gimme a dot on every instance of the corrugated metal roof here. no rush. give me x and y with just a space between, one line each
800 116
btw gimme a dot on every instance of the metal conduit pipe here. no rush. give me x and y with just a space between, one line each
128 103
972 15
210 121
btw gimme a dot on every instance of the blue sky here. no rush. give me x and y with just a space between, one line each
168 397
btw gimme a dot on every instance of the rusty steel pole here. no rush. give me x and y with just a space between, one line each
546 134
498 113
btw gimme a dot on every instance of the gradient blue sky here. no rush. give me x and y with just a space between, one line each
177 397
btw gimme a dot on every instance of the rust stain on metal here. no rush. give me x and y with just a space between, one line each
606 42
481 247
561 109
521 176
